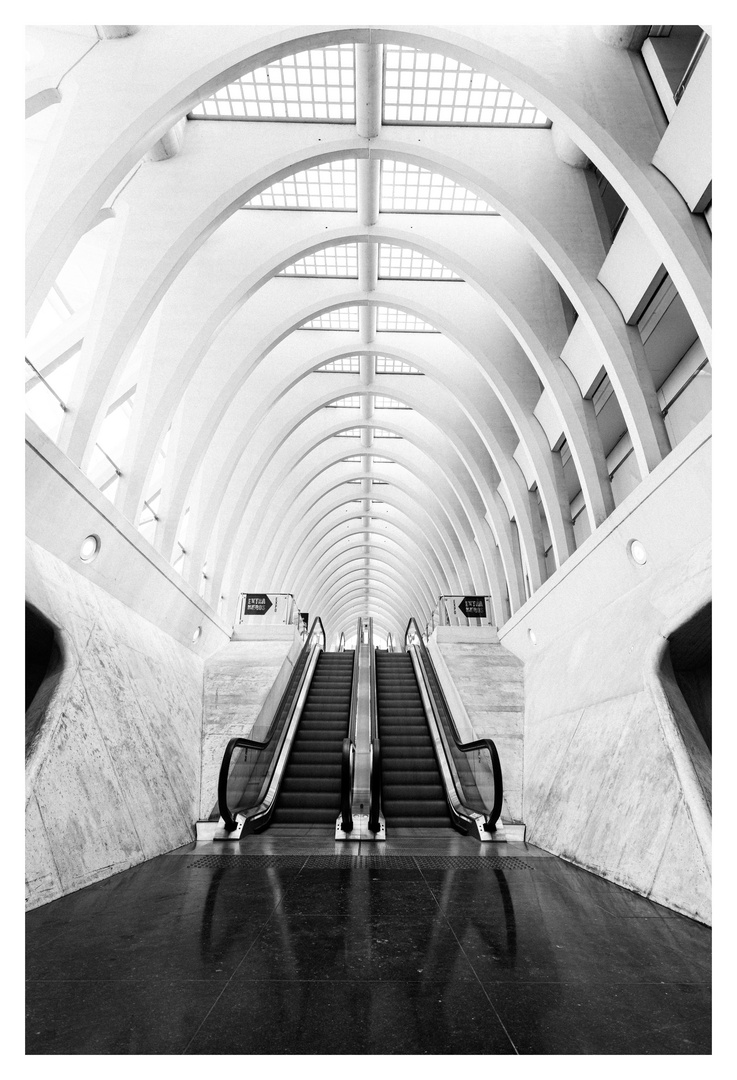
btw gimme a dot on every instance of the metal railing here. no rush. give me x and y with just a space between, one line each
348 760
698 52
480 790
374 820
250 765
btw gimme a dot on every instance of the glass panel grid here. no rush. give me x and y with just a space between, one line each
318 85
409 189
405 263
387 365
349 433
330 186
351 402
349 365
428 88
382 433
340 262
381 401
383 460
389 319
344 318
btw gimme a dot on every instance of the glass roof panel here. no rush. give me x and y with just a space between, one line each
406 264
409 189
429 88
398 321
353 401
318 85
348 433
343 318
330 186
382 401
382 433
344 364
387 365
340 261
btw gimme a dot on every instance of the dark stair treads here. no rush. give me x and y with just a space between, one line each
412 790
309 793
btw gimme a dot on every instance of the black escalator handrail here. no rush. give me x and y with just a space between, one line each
374 822
467 747
349 748
289 696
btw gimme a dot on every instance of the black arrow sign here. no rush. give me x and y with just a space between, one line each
257 604
473 607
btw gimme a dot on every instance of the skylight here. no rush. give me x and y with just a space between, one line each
383 460
349 433
382 433
397 321
343 318
318 85
409 189
406 264
351 402
341 261
330 186
428 88
381 401
387 365
344 364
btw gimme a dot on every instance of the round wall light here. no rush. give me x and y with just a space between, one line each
89 548
197 634
636 552
532 636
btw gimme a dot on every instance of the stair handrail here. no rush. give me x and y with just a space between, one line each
289 698
348 758
374 821
440 703
341 642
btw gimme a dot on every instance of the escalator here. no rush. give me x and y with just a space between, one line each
310 790
413 795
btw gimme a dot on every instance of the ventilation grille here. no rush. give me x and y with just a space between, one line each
361 862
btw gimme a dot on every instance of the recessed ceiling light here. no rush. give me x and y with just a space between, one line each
89 548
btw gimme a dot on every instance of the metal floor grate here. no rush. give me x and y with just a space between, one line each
361 862
471 862
248 862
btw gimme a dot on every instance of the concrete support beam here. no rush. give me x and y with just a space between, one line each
567 150
367 365
368 266
170 144
368 174
109 33
367 323
622 37
368 90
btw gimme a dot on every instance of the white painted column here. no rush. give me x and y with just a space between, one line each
368 90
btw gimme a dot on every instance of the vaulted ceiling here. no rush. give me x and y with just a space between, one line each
423 435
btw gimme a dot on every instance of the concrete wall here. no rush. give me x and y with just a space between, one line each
113 772
615 781
243 684
483 684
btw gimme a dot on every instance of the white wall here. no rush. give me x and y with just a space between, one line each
113 774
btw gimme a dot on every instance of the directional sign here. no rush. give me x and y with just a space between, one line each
257 604
473 607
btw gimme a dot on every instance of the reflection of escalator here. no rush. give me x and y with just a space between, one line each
412 790
310 790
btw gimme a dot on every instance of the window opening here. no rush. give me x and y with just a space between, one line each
341 262
352 402
401 263
429 88
329 186
395 320
318 86
344 318
387 365
409 189
381 401
349 365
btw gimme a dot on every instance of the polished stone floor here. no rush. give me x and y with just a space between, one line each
427 944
